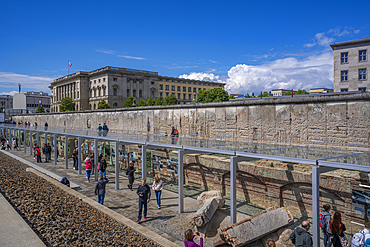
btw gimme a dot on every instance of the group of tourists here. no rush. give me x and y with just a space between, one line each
7 144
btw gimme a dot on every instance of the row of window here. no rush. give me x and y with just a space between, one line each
361 75
178 95
98 81
195 83
134 93
361 89
36 105
179 88
361 56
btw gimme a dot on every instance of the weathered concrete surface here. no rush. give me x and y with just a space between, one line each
14 231
205 213
212 194
341 118
256 227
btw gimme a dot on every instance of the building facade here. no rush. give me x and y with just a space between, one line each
351 64
29 101
115 85
6 102
320 90
278 92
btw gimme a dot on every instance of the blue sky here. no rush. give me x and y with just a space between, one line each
252 46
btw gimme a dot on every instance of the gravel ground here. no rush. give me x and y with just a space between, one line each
58 218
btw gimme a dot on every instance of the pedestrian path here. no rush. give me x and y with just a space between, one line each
14 231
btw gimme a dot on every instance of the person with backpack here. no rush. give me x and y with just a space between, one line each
45 152
324 222
300 237
100 189
130 173
337 229
65 181
105 129
362 238
102 167
38 154
100 128
88 168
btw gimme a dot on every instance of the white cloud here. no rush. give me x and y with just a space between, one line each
105 51
324 38
288 73
10 81
9 93
213 61
130 57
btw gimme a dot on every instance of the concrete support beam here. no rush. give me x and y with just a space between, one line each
31 151
79 155
143 161
55 149
180 177
46 138
116 165
25 141
38 139
96 157
19 140
66 151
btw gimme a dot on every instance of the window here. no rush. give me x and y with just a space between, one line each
115 105
160 87
189 89
344 90
161 94
152 93
362 74
114 79
94 81
204 89
189 96
344 75
94 93
152 82
167 87
173 88
99 92
167 94
179 95
103 92
140 82
99 80
199 89
362 89
184 95
128 92
128 80
134 93
362 55
194 90
344 57
114 91
184 89
178 88
90 83
140 93
103 79
133 81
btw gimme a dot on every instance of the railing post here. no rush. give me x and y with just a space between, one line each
31 153
233 162
55 149
79 155
66 151
116 165
96 158
143 161
180 177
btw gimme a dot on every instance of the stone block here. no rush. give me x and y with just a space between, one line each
205 213
202 198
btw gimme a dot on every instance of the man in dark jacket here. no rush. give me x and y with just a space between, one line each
301 237
143 191
100 189
130 172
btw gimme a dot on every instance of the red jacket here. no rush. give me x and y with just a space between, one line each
88 165
37 151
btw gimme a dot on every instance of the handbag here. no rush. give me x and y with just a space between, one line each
343 241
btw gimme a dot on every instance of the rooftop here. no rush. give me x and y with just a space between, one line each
351 42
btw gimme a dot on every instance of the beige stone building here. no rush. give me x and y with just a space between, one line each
351 64
278 92
115 85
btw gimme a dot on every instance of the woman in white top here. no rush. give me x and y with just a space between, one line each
157 187
14 144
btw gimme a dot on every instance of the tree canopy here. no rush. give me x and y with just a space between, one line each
67 104
212 95
171 100
141 103
130 102
150 101
160 101
299 92
103 104
40 109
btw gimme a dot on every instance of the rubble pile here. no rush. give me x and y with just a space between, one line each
58 218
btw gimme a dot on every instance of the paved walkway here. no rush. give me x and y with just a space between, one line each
122 201
14 231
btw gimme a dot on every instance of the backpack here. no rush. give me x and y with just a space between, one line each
322 222
99 166
358 239
367 243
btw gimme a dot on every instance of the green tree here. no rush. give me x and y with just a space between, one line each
150 101
67 104
247 96
231 97
160 101
171 100
141 103
40 109
265 94
130 102
103 104
212 95
299 92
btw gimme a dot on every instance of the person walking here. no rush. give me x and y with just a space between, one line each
88 164
143 191
100 189
105 129
38 154
102 167
300 237
74 158
324 220
130 171
100 128
92 158
189 239
7 144
360 238
157 187
49 151
337 229
45 152
14 144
